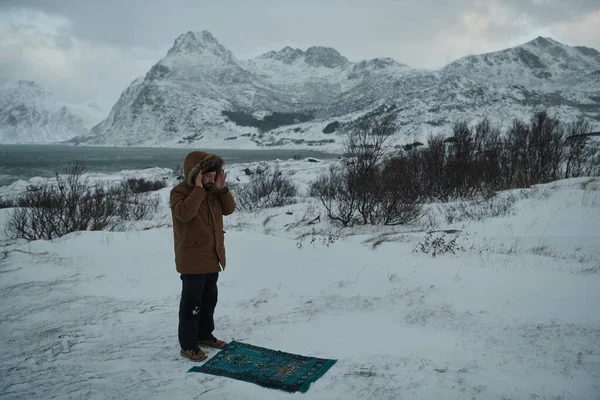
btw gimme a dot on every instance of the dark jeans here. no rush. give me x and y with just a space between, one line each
197 308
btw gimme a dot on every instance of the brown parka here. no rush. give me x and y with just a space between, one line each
197 215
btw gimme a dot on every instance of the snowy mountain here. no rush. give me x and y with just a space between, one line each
30 114
542 61
201 94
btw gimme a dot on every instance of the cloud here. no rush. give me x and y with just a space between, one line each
38 46
27 21
493 25
550 12
27 40
489 25
584 31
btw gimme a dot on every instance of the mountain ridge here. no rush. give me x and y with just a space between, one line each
31 114
263 101
200 94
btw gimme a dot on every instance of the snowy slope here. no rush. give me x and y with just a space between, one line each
30 114
542 61
511 315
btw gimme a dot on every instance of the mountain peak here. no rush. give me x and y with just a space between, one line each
319 56
206 35
554 52
542 59
28 92
379 64
23 85
287 55
196 42
544 42
588 51
31 114
316 56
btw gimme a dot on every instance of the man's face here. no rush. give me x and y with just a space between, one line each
208 179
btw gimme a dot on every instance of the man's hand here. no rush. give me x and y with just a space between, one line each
199 179
220 181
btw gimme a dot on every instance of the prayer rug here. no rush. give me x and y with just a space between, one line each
266 367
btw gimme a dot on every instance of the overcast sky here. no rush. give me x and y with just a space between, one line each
91 50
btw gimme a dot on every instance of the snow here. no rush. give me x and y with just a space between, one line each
537 64
30 114
511 315
29 93
298 74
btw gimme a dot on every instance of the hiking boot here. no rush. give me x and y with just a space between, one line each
212 342
194 354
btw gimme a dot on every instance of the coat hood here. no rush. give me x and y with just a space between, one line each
200 161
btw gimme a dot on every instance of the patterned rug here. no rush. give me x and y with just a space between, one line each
265 367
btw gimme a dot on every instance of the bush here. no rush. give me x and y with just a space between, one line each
534 152
5 203
373 186
266 189
365 188
331 127
477 210
141 185
480 160
401 192
49 211
336 195
437 243
582 157
465 164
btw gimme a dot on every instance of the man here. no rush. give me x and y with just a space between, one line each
198 205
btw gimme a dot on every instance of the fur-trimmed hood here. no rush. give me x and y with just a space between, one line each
200 161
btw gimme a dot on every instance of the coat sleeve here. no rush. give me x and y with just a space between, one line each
227 201
185 207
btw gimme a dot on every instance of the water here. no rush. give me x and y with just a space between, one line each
27 161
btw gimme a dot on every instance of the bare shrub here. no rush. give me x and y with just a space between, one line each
463 165
141 185
437 243
546 147
267 188
178 172
336 196
374 186
130 205
460 163
364 151
582 156
367 188
592 159
326 238
476 210
487 169
535 152
400 201
6 203
48 211
479 160
432 163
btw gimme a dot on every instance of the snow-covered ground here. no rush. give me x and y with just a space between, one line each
512 314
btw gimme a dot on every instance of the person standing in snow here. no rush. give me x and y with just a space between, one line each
198 205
